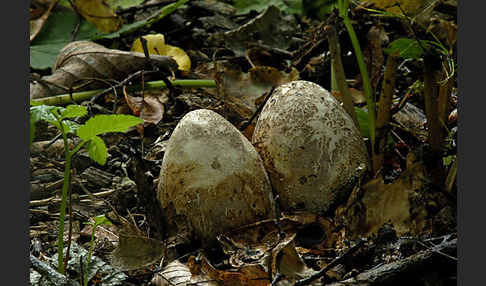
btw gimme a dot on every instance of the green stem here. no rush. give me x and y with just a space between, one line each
63 99
370 100
65 188
86 273
62 215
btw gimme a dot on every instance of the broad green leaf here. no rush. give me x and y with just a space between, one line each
101 219
107 123
73 111
56 33
363 121
290 7
70 126
97 150
42 112
407 48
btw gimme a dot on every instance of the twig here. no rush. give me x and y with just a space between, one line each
277 278
63 99
388 273
259 109
52 275
333 263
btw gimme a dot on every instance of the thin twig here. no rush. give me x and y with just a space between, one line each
333 263
51 274
257 112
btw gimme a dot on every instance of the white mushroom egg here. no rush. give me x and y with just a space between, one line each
212 176
311 148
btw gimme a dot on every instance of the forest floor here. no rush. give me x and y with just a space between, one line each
397 226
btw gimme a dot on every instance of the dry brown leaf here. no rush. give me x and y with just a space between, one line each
400 203
288 262
148 107
37 23
82 60
134 252
241 91
175 273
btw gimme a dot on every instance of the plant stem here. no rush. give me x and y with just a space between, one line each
370 100
65 187
339 76
384 111
63 99
89 255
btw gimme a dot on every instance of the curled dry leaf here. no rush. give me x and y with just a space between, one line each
83 60
37 24
149 107
243 92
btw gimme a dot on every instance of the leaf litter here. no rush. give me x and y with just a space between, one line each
247 62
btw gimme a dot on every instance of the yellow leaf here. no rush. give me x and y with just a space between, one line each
100 14
156 45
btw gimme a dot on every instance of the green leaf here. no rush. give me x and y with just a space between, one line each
42 112
97 150
107 123
70 126
31 131
56 33
101 219
363 121
407 48
73 111
290 7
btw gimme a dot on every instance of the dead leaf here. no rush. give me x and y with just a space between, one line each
135 252
400 203
241 91
413 120
175 273
288 262
149 107
37 23
83 60
270 27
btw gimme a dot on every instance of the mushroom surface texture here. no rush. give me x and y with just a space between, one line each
310 146
212 179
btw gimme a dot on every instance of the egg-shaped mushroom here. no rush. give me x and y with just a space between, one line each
212 177
311 148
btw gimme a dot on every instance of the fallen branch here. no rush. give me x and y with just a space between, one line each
50 273
389 273
64 99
